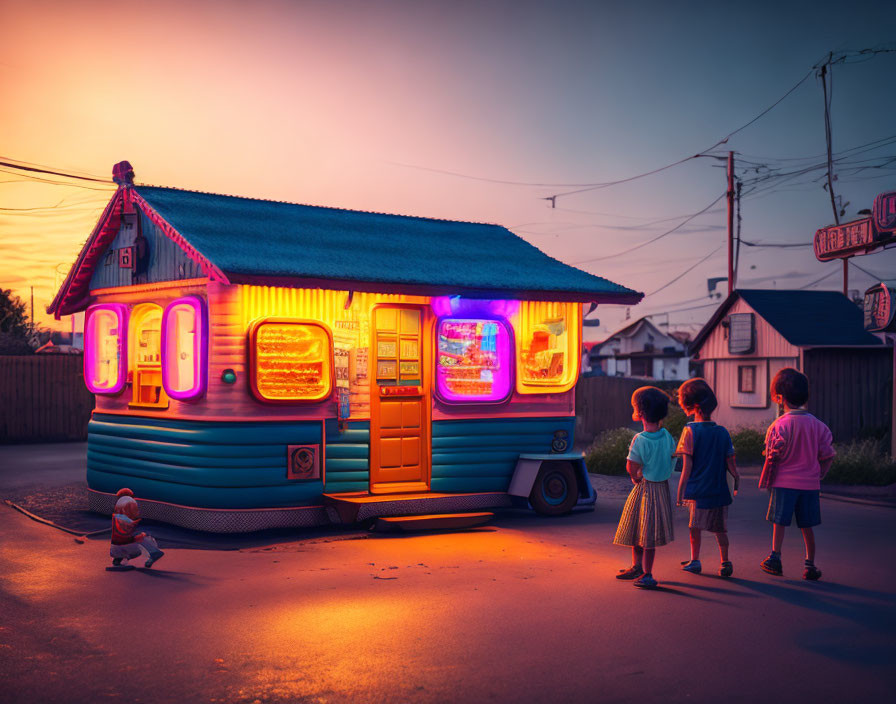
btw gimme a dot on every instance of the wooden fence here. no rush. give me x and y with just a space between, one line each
43 398
605 402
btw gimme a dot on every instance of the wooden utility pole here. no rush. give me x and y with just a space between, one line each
825 77
730 222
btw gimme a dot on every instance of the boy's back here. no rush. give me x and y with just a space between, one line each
709 445
796 443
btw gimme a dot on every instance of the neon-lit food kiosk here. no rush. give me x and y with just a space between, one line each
261 364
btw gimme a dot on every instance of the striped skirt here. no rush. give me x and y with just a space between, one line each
647 517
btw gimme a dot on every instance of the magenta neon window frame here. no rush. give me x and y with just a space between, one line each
502 384
91 344
200 349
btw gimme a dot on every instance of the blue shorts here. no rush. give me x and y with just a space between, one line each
785 503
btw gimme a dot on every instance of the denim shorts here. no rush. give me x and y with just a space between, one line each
803 503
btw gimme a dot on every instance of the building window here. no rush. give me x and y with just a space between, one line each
641 366
105 348
474 360
145 343
741 334
548 346
185 348
290 360
746 379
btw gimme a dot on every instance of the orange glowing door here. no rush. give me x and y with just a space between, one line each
399 402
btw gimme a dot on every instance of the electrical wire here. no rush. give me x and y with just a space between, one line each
651 241
685 272
51 172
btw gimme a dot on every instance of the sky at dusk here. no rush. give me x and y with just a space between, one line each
364 105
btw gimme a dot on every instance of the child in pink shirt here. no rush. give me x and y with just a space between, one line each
798 453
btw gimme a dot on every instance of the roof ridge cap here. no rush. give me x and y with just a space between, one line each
323 207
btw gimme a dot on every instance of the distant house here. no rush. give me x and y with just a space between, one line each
641 350
756 333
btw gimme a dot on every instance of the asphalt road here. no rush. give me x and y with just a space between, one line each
524 610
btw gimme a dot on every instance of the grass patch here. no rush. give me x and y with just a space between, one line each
862 462
608 452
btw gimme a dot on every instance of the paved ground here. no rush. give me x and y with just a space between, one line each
525 610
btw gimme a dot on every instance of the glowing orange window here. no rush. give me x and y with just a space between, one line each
548 346
290 360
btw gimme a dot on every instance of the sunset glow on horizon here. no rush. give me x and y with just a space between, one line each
333 103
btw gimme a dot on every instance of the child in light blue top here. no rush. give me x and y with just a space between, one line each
646 521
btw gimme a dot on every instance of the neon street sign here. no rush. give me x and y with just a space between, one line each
880 315
845 240
885 213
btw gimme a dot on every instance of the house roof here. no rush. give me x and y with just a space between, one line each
803 318
246 240
633 328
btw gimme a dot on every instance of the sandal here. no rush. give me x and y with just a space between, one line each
692 566
726 569
632 572
772 565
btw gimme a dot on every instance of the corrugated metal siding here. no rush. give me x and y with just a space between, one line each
480 455
347 465
769 343
851 390
208 465
166 261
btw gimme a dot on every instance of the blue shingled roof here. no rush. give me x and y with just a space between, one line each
244 237
803 318
811 318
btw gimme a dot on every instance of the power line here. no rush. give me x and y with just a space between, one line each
651 241
686 271
703 153
52 172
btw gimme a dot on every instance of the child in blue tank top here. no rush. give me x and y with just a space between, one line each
707 457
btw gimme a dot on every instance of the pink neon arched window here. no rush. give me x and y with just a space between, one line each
185 348
105 348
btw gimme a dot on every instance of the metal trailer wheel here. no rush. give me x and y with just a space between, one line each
555 491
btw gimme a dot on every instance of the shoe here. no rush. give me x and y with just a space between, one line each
772 565
812 573
154 558
116 561
726 569
645 581
632 572
692 566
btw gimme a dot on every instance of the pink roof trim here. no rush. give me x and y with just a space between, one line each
74 294
209 269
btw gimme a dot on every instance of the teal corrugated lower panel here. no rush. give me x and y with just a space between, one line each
210 433
125 454
501 426
497 441
295 494
347 452
494 471
111 443
480 454
345 465
342 477
200 476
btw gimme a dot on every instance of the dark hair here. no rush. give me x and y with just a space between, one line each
651 403
696 393
792 386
